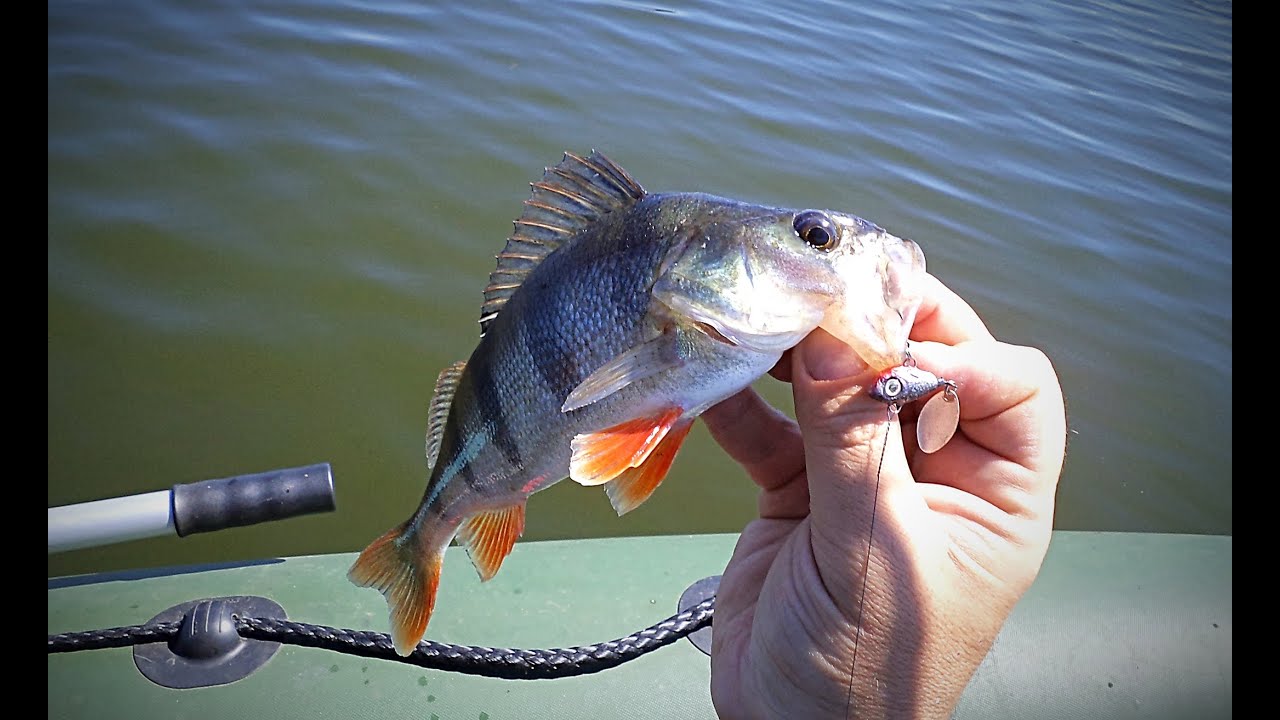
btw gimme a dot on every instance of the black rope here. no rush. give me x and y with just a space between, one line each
114 637
508 663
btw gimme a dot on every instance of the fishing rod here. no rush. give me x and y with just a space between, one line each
191 508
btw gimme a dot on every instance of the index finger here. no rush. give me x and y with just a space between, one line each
945 317
1012 438
758 436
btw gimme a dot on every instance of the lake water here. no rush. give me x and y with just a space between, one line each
270 224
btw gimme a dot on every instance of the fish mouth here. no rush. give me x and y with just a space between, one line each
881 296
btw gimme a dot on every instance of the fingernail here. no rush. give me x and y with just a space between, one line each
826 358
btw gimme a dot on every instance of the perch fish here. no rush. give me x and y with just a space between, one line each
613 319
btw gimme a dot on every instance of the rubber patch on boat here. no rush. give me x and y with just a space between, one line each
692 595
208 651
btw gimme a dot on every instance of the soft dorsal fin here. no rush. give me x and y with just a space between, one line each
569 197
438 411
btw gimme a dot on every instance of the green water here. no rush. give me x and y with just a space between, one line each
270 223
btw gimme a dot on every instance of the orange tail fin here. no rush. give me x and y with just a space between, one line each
403 569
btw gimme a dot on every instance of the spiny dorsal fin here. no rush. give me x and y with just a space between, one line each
438 412
569 197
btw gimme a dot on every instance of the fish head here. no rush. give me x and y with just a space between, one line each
764 278
877 287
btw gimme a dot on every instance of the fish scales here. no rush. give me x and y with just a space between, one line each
613 319
587 305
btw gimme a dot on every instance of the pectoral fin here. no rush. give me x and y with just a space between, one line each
630 489
604 455
642 361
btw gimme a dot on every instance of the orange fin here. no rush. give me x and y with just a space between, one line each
408 574
631 488
601 456
490 535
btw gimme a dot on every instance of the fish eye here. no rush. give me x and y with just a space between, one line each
815 228
892 387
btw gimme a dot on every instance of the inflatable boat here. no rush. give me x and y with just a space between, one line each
1117 625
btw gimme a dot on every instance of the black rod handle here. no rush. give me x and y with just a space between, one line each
249 499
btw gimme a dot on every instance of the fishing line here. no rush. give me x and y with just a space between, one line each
866 573
935 425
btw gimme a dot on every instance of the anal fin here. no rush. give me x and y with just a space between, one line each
630 489
601 456
489 536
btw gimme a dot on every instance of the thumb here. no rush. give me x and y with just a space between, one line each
853 452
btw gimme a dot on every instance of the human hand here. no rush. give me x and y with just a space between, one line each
873 586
